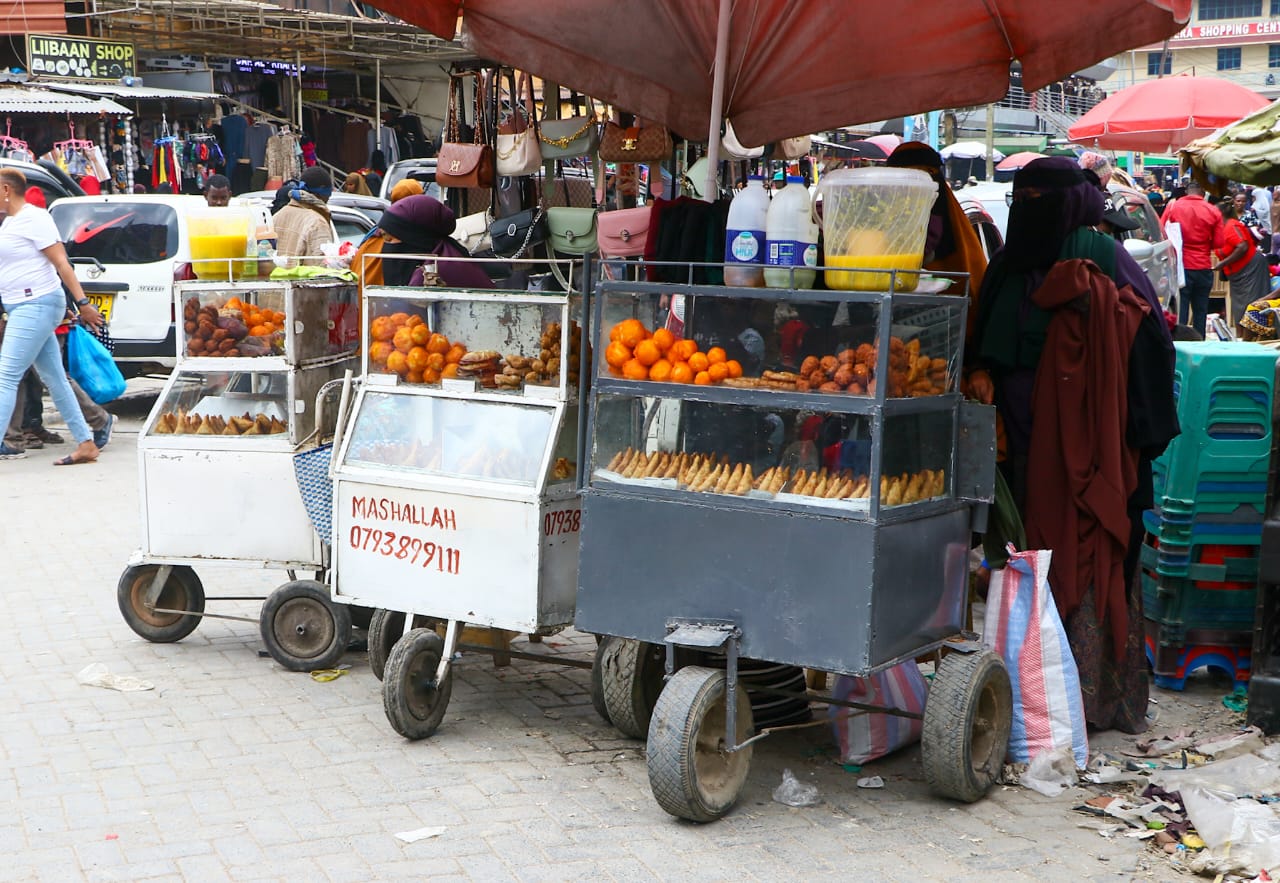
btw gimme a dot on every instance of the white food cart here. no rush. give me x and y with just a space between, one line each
256 363
455 492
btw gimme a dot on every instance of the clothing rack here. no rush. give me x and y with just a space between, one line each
13 148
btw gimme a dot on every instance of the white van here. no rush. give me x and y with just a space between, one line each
128 251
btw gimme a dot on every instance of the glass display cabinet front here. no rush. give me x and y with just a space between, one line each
241 404
495 341
297 321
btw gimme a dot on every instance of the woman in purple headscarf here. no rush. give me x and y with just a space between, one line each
421 225
1052 218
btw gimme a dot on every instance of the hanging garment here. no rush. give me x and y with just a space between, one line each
282 157
255 143
233 132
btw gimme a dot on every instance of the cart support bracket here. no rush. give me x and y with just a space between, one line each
711 635
157 586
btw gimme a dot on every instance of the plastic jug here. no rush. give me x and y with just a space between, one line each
791 238
218 234
875 219
744 241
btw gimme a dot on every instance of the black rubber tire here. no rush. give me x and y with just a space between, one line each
182 591
385 628
303 629
413 702
967 719
630 674
597 682
691 777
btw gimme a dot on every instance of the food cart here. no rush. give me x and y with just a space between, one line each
455 482
257 364
818 516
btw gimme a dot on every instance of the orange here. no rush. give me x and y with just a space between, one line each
735 367
702 378
664 339
455 354
438 344
647 352
450 370
632 332
379 351
719 372
420 334
699 362
414 321
615 332
431 376
681 350
234 304
617 355
270 326
435 361
413 377
416 359
633 370
716 355
681 373
398 363
403 340
258 331
660 370
398 319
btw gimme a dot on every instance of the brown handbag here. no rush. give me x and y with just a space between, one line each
459 164
635 143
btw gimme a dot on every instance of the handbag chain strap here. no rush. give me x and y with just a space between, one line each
564 142
528 236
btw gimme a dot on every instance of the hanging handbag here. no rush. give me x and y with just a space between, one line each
516 148
794 148
623 233
634 144
572 230
577 135
460 164
733 148
515 236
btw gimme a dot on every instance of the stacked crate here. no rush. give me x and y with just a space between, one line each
1200 559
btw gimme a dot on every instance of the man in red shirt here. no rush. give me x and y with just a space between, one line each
1201 228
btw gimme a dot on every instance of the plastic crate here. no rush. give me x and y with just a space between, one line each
1191 555
1186 608
1171 664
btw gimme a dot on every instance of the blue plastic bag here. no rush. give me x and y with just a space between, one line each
91 366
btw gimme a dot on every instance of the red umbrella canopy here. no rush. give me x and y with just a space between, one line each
1160 116
1015 161
795 66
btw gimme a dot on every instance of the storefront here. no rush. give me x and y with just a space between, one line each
67 129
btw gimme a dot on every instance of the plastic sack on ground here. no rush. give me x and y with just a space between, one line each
793 792
1050 773
1242 834
863 737
1023 626
91 366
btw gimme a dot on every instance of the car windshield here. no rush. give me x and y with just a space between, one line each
118 232
426 175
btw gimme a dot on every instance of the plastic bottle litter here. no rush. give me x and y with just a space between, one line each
744 240
793 792
791 238
95 674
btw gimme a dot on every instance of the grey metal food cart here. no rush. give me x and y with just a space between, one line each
844 550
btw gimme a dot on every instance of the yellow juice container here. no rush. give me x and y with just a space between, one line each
217 236
875 219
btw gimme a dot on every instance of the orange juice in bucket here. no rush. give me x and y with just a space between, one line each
875 220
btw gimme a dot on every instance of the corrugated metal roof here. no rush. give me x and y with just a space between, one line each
119 90
29 99
32 17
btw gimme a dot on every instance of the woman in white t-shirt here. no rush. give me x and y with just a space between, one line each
35 267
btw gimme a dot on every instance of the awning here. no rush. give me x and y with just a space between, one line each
29 99
132 93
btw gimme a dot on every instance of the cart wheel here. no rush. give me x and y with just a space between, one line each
182 591
967 718
690 773
411 697
385 628
630 676
302 628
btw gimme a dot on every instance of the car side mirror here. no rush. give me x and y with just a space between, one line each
1139 249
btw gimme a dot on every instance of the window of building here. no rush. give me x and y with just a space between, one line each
1229 58
1273 54
1160 63
1275 8
1211 10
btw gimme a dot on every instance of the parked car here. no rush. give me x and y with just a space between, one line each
984 225
53 182
1147 244
421 169
370 206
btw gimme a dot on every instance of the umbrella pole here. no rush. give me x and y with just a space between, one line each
711 192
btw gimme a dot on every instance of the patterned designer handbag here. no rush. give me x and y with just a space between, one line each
459 164
572 230
623 233
635 144
517 147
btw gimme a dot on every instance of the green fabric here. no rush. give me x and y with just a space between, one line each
1004 526
1012 334
283 273
1245 151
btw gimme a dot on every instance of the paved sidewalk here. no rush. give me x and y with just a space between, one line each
234 769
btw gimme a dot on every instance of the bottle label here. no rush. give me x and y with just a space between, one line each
811 255
790 253
744 246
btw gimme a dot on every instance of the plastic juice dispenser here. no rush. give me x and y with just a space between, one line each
219 235
875 219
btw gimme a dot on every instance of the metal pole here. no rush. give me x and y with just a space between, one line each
991 141
377 104
128 155
297 60
711 192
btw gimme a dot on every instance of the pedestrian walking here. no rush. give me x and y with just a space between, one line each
1201 225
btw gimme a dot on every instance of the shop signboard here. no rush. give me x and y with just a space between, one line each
1227 33
79 58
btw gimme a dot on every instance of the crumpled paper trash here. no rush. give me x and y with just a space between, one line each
420 834
95 674
793 792
1050 772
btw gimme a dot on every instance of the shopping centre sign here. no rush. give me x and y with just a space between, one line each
79 58
1227 34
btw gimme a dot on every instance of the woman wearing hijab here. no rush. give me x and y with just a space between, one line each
356 184
1073 333
416 225
405 187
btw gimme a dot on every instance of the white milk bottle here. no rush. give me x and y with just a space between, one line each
791 238
744 240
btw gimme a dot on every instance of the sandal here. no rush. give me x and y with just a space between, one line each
70 460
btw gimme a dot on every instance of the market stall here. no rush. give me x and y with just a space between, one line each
255 386
454 487
819 518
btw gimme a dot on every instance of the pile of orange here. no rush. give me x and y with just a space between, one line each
260 321
637 354
403 344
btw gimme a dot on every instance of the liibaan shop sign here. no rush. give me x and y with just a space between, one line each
78 58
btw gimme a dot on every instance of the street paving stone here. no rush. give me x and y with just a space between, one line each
235 769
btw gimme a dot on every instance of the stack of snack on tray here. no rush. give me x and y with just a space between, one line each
544 368
231 329
402 344
181 423
636 354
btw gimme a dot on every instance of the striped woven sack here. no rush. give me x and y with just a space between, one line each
864 737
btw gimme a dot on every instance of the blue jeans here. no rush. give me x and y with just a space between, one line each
29 340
